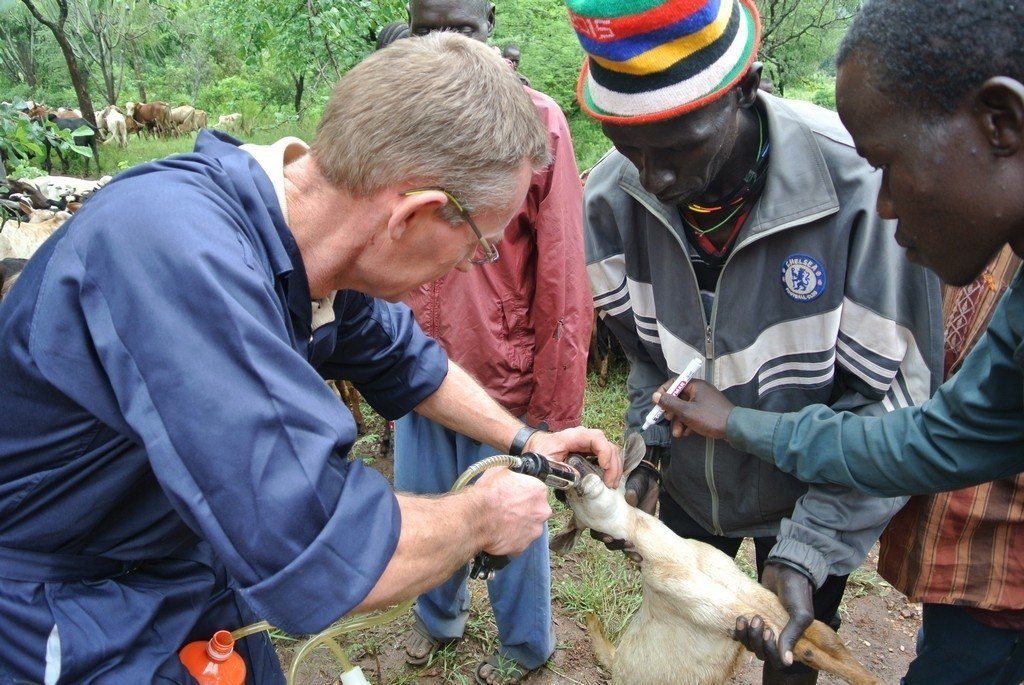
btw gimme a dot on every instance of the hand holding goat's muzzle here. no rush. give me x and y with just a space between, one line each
641 488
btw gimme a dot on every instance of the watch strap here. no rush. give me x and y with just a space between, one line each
520 440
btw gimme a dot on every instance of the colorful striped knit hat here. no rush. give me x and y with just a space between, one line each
650 60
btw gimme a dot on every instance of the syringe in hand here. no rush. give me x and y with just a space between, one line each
675 388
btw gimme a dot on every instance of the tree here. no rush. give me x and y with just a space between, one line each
57 27
302 38
18 45
100 27
798 36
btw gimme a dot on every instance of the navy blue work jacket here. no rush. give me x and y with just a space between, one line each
171 460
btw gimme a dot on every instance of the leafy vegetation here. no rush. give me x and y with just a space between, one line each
275 62
23 141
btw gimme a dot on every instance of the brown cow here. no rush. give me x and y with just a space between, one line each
154 117
131 126
38 111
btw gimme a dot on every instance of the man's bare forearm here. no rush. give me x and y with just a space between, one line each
460 403
439 534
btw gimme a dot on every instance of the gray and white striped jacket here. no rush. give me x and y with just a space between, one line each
816 304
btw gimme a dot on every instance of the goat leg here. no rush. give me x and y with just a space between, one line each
821 648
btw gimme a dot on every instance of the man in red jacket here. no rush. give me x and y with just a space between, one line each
520 324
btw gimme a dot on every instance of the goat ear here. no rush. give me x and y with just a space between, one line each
563 543
633 450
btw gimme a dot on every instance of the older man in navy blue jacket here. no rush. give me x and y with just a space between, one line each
171 461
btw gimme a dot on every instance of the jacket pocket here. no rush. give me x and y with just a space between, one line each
516 335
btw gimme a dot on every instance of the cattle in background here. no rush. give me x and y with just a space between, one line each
83 140
200 119
101 120
230 122
131 126
111 120
183 119
38 111
154 117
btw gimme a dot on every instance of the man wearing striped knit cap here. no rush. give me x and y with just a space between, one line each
738 228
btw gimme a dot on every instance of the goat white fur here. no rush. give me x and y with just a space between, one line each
22 239
692 594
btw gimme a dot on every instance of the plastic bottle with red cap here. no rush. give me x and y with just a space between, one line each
214 662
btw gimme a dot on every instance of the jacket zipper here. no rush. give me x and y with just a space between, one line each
709 361
709 444
709 328
709 335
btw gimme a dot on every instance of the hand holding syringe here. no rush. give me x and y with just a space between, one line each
675 388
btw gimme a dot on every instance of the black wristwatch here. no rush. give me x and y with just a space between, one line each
520 440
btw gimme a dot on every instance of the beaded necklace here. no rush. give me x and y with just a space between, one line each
740 197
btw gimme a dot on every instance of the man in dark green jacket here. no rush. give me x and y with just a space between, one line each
946 126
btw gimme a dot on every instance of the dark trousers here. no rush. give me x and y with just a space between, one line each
955 649
826 599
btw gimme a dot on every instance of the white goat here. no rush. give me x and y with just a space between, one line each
229 122
692 594
112 120
22 239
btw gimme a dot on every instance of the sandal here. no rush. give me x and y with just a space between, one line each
509 671
419 638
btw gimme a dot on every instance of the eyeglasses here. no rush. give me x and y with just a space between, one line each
486 252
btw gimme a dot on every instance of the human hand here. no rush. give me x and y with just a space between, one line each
643 486
560 445
794 590
513 508
701 408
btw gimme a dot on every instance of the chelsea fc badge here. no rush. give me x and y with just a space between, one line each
803 277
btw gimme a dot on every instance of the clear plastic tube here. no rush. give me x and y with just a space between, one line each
481 466
345 625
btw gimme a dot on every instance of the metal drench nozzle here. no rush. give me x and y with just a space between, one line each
554 474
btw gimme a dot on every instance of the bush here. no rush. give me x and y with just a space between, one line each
819 89
21 140
588 140
232 94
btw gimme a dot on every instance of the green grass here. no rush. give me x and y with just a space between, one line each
599 582
588 140
862 583
605 407
141 149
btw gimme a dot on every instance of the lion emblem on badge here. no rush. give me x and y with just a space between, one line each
803 277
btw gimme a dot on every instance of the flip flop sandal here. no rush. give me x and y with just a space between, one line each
509 671
420 636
